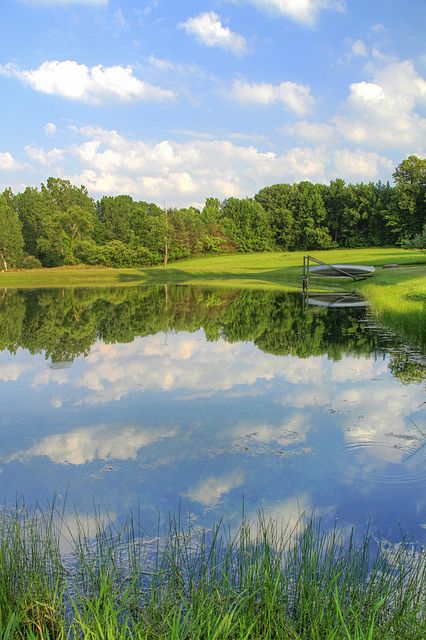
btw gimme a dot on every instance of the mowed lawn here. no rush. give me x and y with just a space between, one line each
398 294
258 269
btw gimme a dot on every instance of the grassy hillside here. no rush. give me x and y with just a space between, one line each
258 269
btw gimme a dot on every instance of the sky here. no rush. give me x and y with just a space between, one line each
173 101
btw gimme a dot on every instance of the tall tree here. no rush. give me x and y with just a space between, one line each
336 197
410 195
11 240
307 206
276 202
114 215
247 224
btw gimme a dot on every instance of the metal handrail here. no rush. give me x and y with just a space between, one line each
326 264
305 275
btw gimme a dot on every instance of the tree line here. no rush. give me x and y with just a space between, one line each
60 224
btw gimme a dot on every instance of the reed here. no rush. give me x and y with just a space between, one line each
261 581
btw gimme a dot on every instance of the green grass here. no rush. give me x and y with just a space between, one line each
397 296
280 270
262 582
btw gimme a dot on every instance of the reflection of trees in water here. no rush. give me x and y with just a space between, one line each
408 364
64 323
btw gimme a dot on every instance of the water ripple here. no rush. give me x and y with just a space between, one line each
387 462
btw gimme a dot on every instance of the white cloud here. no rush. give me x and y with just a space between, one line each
359 48
359 164
13 371
383 112
208 29
93 85
380 113
286 519
186 172
183 172
169 66
45 158
296 97
99 442
8 162
292 431
313 132
50 129
304 12
209 491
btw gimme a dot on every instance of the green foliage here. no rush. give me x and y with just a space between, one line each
276 202
247 224
307 205
11 239
410 195
30 262
264 580
418 242
62 225
113 254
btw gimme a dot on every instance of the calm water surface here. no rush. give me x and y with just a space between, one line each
176 398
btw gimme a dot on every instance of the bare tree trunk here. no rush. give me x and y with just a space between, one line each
4 261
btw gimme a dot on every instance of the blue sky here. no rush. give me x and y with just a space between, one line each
174 101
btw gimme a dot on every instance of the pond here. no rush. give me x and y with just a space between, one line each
210 402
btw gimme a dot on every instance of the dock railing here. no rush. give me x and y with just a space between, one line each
307 263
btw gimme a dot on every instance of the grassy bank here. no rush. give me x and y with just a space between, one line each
397 295
260 270
261 582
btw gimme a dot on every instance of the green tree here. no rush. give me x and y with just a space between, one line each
114 215
33 210
410 195
307 206
276 202
215 239
64 194
11 239
247 224
335 197
417 242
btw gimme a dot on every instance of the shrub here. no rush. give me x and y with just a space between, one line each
30 262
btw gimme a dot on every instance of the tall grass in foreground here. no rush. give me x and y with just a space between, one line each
262 582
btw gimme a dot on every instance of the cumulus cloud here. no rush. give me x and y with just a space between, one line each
93 85
380 113
292 431
313 132
304 12
99 442
186 172
359 164
45 158
208 29
113 371
296 97
8 162
13 371
383 111
208 492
